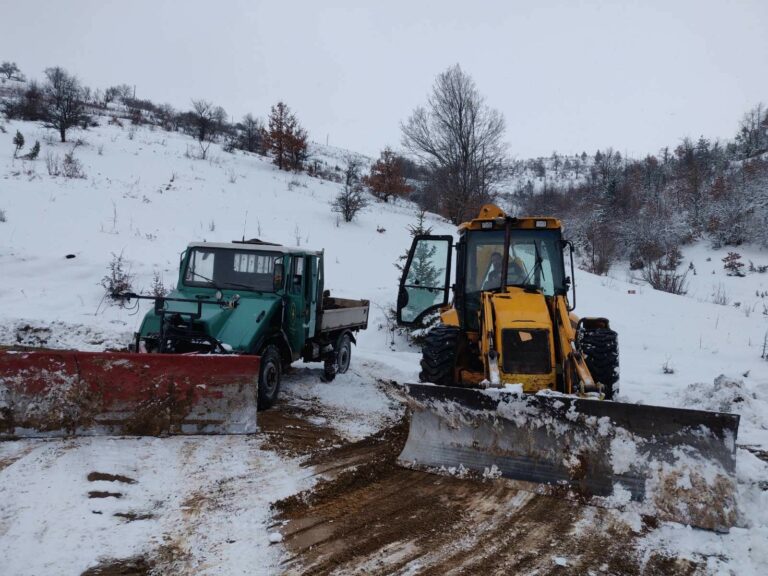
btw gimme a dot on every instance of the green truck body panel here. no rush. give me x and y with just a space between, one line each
254 294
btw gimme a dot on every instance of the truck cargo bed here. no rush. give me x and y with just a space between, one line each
339 313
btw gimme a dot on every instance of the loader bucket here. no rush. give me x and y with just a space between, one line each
679 464
92 393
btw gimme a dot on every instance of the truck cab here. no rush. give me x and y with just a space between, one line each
254 297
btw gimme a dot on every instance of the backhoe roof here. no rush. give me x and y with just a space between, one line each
494 214
255 247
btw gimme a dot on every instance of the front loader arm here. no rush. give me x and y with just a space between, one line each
488 351
576 376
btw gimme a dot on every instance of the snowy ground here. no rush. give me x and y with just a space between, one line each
145 197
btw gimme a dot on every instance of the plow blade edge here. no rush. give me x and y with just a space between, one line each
92 393
680 464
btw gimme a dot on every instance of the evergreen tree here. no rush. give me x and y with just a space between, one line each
18 142
285 138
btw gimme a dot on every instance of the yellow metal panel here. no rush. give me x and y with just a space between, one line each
450 317
519 309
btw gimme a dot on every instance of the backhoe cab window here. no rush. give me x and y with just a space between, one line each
233 269
535 258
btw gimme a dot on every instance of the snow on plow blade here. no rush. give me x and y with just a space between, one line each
91 393
680 464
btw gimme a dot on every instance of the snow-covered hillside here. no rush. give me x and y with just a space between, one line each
144 195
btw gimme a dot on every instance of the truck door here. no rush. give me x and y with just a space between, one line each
310 294
296 304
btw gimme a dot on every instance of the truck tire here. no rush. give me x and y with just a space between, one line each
438 356
330 366
343 354
600 348
269 377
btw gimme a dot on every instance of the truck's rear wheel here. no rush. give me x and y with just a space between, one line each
600 347
343 354
269 377
438 356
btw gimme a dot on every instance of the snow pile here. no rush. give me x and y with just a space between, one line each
731 395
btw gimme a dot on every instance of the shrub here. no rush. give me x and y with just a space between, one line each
118 279
34 152
349 202
158 289
71 167
733 265
2 216
18 142
53 164
659 275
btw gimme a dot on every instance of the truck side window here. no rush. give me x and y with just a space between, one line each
298 272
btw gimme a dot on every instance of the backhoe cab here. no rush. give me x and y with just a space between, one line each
513 332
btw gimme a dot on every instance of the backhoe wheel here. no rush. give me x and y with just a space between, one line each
269 377
600 347
438 356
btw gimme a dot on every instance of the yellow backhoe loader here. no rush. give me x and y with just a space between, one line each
513 384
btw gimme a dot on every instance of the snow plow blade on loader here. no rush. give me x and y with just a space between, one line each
680 464
57 393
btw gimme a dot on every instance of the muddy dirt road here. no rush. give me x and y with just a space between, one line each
373 517
220 505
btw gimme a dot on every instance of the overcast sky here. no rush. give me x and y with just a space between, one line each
568 76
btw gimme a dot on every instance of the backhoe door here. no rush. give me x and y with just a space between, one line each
425 283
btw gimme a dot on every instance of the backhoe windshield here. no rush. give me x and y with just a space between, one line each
535 259
234 269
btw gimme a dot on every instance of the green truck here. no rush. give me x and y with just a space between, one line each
254 298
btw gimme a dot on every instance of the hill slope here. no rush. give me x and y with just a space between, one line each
145 196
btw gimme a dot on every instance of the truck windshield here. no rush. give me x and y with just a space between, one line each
225 268
535 259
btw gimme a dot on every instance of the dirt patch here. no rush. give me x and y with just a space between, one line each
370 516
103 476
137 566
295 431
104 494
133 516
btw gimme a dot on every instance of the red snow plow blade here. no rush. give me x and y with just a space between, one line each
94 393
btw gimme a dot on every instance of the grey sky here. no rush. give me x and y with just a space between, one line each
567 75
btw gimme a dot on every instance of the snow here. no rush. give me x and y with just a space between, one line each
144 197
204 497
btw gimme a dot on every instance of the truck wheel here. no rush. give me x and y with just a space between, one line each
343 354
330 366
438 356
600 347
269 377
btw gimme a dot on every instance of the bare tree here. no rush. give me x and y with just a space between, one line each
351 199
11 71
460 138
209 121
250 134
63 101
117 93
752 137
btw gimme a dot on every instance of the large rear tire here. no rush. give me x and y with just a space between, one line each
438 356
600 347
270 373
343 353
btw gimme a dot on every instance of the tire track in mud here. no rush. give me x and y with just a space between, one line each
370 516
